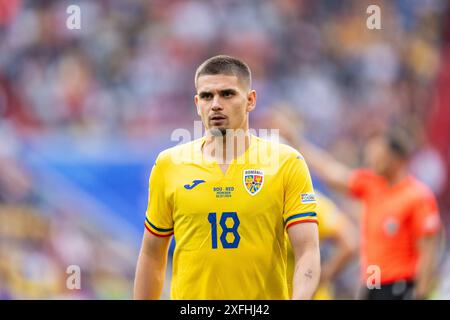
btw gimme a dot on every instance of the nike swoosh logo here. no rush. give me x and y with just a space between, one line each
194 184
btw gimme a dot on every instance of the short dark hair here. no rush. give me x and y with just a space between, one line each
227 65
400 142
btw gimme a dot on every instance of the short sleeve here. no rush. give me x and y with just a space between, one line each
361 180
426 220
299 196
158 218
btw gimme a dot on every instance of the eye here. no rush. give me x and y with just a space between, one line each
205 95
227 93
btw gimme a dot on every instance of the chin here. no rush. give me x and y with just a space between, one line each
218 131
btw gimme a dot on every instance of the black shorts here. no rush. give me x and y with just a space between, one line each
399 290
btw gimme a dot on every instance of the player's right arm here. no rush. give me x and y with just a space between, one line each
151 264
151 267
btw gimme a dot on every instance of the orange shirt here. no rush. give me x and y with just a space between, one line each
393 220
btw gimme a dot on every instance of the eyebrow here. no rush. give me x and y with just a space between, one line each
222 91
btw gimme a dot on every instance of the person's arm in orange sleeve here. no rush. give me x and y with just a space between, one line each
426 223
325 166
334 173
427 265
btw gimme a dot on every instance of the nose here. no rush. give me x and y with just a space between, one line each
216 106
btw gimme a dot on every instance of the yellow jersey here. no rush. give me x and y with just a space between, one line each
330 221
229 227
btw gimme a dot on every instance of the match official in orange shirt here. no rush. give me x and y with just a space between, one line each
400 221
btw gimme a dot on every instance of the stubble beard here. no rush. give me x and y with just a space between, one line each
218 132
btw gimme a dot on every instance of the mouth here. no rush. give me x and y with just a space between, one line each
217 119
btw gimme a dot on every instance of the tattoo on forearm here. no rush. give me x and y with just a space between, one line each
308 274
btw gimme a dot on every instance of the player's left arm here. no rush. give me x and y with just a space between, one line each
301 224
304 239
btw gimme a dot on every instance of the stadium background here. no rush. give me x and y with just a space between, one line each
83 114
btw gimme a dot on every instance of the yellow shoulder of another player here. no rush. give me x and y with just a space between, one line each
329 216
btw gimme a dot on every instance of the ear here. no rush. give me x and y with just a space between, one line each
196 105
251 100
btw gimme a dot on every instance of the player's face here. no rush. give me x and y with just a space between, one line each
377 155
223 102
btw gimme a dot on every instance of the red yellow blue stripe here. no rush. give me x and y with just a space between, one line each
300 218
160 232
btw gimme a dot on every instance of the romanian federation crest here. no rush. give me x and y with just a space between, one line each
253 181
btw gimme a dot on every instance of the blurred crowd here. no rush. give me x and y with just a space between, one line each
38 251
128 72
129 69
131 64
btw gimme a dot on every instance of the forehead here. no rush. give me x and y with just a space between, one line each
216 82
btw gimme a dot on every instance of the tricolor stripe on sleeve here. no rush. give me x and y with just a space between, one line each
300 218
157 231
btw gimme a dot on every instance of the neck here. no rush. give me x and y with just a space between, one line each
227 147
397 175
